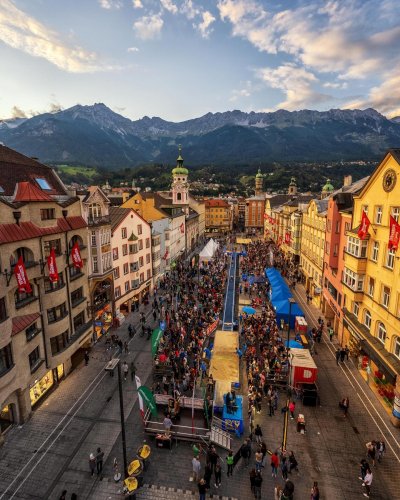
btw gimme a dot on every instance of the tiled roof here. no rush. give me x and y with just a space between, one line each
15 168
279 199
26 191
19 323
216 203
29 230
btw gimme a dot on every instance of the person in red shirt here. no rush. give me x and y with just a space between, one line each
274 464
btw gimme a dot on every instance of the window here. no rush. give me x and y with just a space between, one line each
141 277
178 196
367 319
335 250
117 292
371 287
94 211
77 297
126 268
356 308
132 249
79 321
123 233
375 251
141 263
125 249
59 343
347 226
397 347
378 215
93 239
47 213
115 253
390 255
48 245
139 229
3 309
385 296
134 267
56 313
356 247
50 286
353 280
6 359
381 332
23 298
95 264
148 258
148 274
34 359
116 273
126 286
32 331
140 244
75 272
43 184
147 242
337 228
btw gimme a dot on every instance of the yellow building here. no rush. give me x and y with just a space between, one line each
218 217
312 247
371 325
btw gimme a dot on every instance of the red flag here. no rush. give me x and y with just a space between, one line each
287 238
166 255
22 277
265 216
182 228
394 235
76 256
364 226
52 265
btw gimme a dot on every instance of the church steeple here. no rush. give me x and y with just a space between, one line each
180 186
259 182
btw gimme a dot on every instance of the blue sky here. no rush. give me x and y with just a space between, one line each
179 59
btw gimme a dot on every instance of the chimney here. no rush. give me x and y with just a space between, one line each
347 181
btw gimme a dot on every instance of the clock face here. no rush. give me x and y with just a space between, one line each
389 180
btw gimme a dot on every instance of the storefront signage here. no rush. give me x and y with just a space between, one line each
232 423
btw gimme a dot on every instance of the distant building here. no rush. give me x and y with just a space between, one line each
218 217
255 208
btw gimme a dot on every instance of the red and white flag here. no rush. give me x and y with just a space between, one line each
141 405
364 226
394 234
182 227
166 255
52 265
76 256
22 277
287 238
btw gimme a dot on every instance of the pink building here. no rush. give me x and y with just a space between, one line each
337 223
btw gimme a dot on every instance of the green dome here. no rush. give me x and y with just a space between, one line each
328 186
259 175
180 169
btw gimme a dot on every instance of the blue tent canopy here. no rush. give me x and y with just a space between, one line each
279 295
294 345
282 312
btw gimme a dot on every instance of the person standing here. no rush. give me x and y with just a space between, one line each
274 464
292 407
245 452
258 433
167 425
344 405
367 483
92 464
315 491
284 468
229 463
337 355
259 459
252 475
63 495
133 370
207 475
330 331
86 358
217 475
364 467
202 489
126 347
125 369
196 468
257 485
99 461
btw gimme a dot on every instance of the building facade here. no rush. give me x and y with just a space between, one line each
218 217
44 322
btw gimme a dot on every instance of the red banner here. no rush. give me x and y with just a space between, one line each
394 234
166 255
76 256
52 265
22 277
364 226
287 238
182 228
212 327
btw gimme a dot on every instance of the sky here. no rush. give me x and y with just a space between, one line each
180 59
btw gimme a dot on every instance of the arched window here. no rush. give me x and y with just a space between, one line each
381 332
178 196
397 347
94 211
367 319
75 239
26 254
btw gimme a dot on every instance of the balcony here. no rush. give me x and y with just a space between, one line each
80 330
355 263
75 275
19 304
99 221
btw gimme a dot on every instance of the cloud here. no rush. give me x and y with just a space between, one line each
335 85
245 91
204 26
110 4
17 112
132 49
296 83
189 9
23 32
149 27
169 6
137 4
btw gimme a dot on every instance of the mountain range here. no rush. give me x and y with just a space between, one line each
97 136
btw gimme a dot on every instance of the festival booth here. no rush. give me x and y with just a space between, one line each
283 309
208 251
224 368
303 375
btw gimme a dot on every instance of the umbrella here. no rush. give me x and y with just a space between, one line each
293 344
249 310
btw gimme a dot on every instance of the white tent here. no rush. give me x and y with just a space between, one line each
208 251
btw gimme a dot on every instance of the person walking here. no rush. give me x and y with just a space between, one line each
257 485
371 451
292 462
99 461
292 407
245 452
202 489
344 405
330 332
229 463
367 483
337 355
284 468
315 491
380 449
63 495
126 347
92 464
133 370
274 464
86 358
258 433
125 369
252 475
364 467
207 475
217 475
259 459
196 468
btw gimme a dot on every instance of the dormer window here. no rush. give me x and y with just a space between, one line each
43 184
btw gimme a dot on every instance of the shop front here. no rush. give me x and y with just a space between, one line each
103 321
374 363
40 387
7 417
102 312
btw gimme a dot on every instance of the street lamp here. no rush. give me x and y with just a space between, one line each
110 366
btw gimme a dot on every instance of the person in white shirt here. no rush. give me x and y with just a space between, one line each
367 483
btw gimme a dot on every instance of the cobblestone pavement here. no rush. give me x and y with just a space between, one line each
50 452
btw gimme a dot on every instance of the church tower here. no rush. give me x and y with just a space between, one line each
180 186
259 183
292 186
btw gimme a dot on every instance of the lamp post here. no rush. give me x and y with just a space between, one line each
115 362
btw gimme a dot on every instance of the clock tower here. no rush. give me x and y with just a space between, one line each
180 185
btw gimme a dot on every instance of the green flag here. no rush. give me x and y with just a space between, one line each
155 340
148 398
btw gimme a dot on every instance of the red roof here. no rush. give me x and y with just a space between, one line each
26 191
19 323
215 202
28 230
